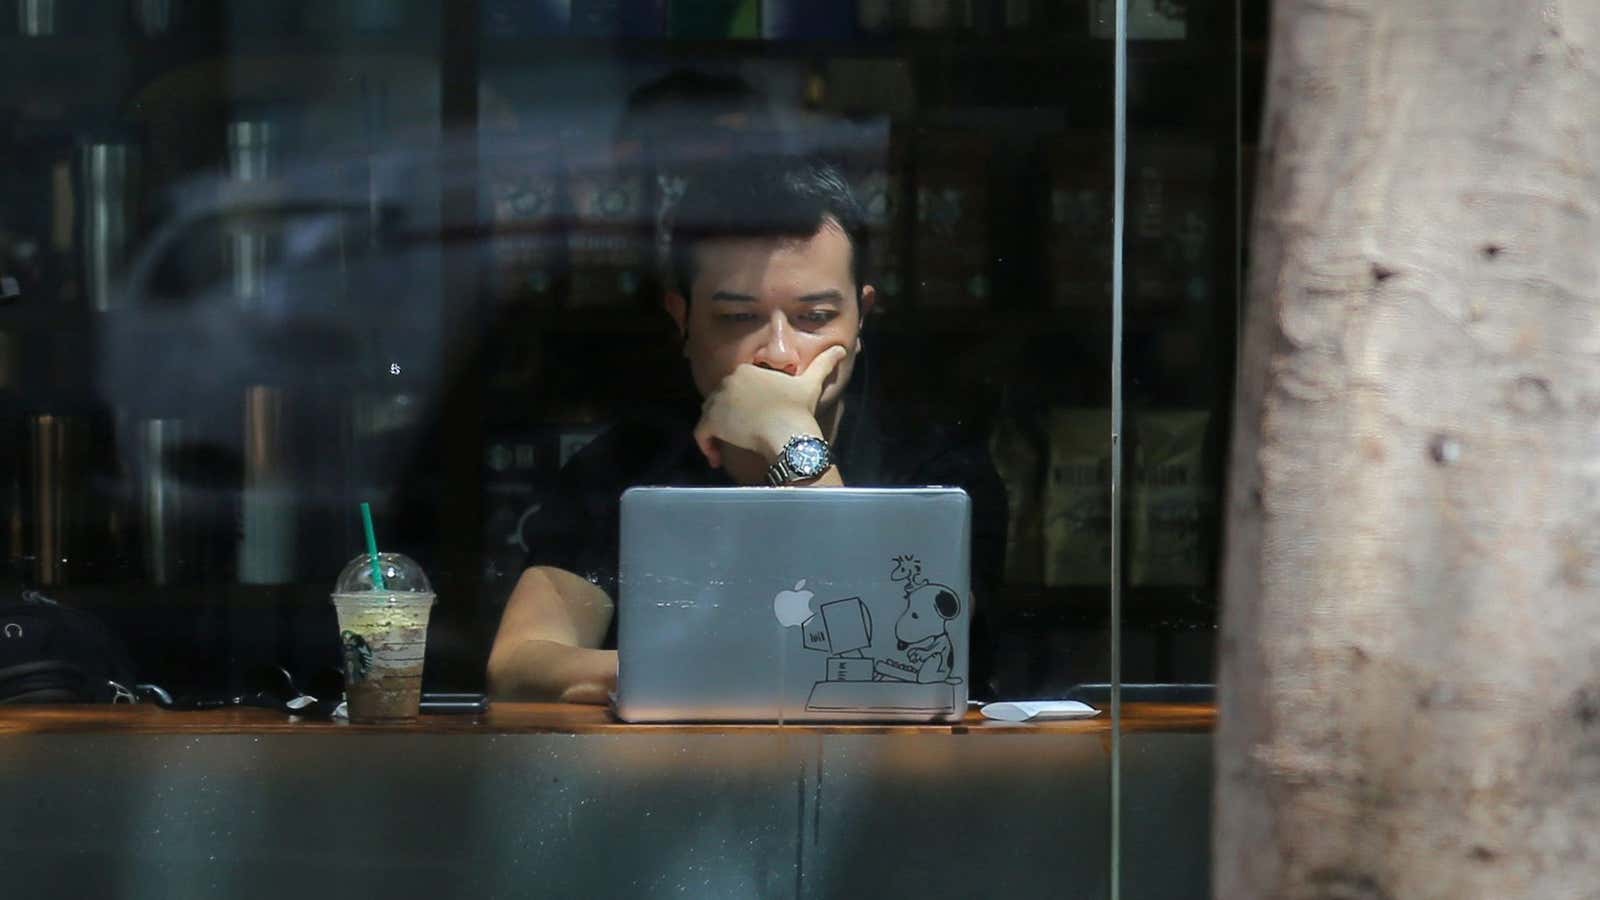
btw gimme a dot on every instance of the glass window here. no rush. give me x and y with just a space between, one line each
1193 98
290 260
481 267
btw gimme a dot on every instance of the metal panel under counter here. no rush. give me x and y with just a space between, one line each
561 801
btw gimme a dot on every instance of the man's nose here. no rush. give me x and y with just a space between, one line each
777 350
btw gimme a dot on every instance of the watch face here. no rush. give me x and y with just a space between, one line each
808 457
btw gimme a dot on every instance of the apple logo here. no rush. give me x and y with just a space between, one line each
793 607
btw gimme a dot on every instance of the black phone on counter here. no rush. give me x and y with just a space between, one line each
436 703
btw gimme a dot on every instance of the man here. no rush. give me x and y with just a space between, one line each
769 298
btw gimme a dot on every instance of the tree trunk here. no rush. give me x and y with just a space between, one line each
1410 656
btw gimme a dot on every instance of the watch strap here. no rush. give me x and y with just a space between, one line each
779 473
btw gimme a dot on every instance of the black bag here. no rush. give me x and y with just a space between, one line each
50 653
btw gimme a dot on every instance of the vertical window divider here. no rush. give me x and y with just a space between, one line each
1119 179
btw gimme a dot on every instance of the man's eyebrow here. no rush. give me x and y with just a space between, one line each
832 294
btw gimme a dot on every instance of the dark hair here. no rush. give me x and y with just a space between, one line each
765 198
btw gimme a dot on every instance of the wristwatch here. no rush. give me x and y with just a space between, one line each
803 456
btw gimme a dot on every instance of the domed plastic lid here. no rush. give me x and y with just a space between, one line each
401 575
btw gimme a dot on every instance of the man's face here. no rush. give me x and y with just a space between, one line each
774 303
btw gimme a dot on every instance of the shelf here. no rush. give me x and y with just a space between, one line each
519 52
29 54
87 71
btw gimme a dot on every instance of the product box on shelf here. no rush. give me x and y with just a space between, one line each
1078 223
611 244
1077 500
880 178
1018 455
1148 20
525 190
808 19
951 240
619 18
1171 252
1173 507
526 18
714 19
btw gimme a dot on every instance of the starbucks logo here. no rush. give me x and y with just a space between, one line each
357 656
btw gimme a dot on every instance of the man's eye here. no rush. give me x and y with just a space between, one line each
820 316
736 317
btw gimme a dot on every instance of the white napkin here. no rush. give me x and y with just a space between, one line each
1031 710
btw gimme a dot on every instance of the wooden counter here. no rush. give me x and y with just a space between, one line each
550 718
564 801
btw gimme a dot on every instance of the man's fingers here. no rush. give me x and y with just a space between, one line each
824 364
708 446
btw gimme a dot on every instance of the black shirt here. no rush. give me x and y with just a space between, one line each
578 527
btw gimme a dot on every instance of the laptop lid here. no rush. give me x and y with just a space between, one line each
793 604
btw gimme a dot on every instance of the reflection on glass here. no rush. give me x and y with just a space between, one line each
108 177
277 259
280 198
36 18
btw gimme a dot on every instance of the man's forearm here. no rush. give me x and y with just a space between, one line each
554 672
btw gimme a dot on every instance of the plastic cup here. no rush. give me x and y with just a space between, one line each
383 634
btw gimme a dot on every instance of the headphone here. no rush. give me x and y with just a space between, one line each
48 681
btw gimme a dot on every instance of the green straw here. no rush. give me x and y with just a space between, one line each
372 546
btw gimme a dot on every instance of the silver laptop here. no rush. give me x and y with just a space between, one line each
793 604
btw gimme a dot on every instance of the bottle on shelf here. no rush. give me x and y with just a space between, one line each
38 18
71 525
108 215
11 463
266 550
165 512
253 146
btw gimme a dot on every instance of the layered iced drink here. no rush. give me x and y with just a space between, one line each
383 636
384 639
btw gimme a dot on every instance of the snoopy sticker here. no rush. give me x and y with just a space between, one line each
913 674
922 632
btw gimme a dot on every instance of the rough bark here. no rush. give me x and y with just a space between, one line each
1410 656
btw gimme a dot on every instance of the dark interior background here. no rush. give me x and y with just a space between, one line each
262 262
